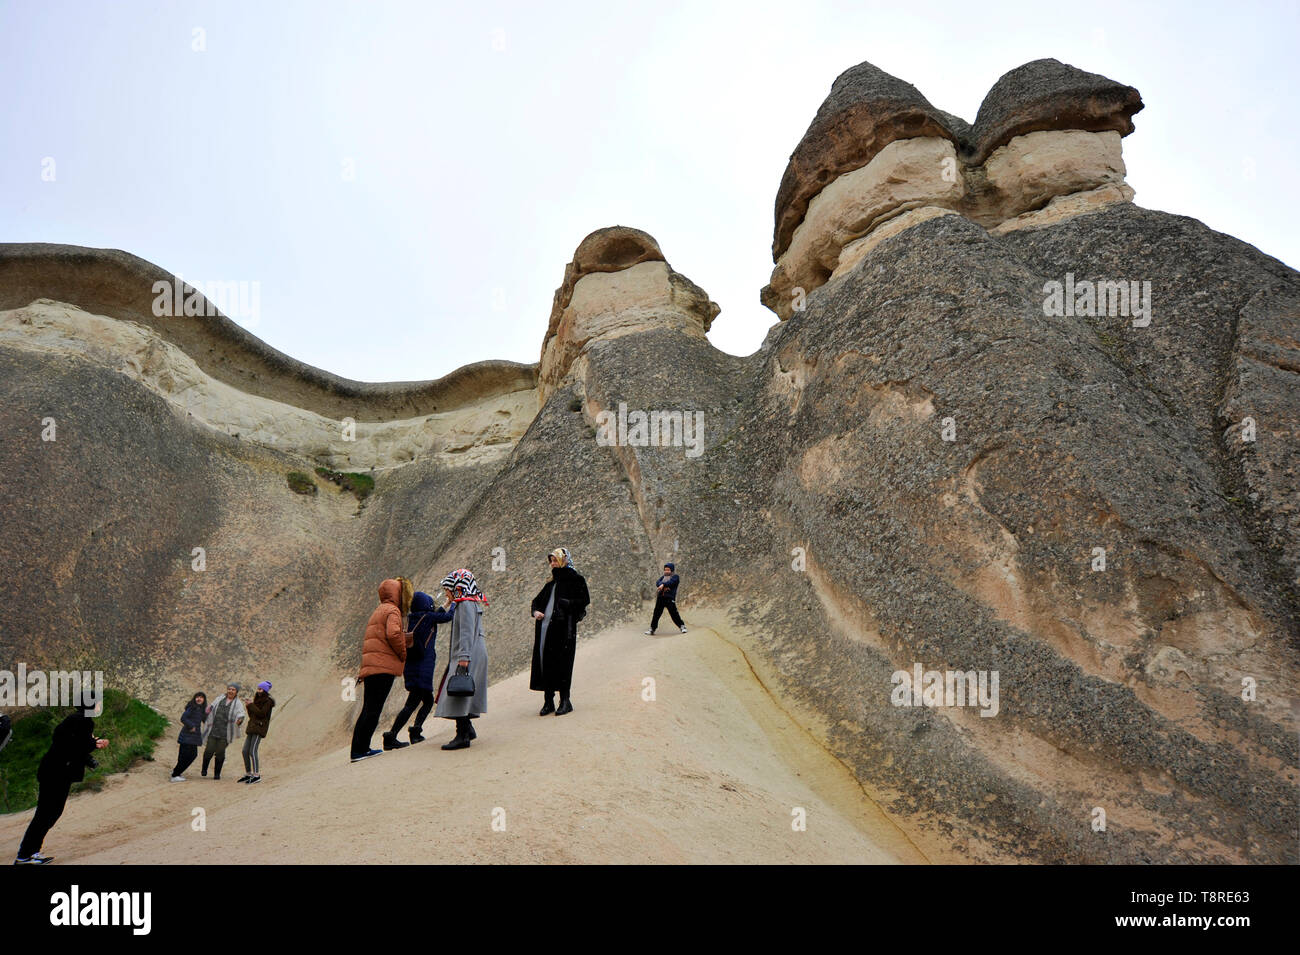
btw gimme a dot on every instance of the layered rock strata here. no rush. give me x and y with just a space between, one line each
878 149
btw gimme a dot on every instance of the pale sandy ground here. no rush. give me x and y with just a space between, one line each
710 771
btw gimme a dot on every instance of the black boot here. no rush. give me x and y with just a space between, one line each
415 734
206 759
472 734
216 774
392 742
461 739
549 705
565 707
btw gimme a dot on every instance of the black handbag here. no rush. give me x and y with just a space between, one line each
460 684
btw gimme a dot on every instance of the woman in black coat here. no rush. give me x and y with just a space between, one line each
191 736
64 764
557 610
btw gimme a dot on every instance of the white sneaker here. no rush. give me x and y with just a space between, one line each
683 629
178 779
649 633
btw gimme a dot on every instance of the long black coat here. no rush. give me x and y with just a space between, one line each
69 753
555 672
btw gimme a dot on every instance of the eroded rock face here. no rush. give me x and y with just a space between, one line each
878 149
867 109
618 283
927 466
461 435
122 286
1048 94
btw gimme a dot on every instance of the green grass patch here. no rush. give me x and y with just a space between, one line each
362 485
301 483
130 727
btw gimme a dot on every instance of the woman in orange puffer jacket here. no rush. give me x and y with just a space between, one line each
383 655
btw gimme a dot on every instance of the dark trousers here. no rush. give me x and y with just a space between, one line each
377 686
51 797
665 601
421 698
251 765
215 748
189 752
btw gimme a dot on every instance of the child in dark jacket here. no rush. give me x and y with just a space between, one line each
191 735
666 597
421 660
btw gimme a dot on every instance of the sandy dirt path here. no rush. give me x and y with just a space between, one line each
711 770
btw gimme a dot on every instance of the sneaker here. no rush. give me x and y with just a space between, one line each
367 754
683 629
254 779
34 859
244 778
178 779
649 633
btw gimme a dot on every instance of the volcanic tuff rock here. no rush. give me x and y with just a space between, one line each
877 148
618 283
923 466
122 286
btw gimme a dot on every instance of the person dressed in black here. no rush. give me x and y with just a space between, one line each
559 607
421 663
666 590
65 763
191 735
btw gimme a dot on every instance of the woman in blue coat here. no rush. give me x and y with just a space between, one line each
421 658
191 738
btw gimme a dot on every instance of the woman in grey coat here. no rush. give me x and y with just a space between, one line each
468 653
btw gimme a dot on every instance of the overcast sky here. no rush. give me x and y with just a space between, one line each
406 181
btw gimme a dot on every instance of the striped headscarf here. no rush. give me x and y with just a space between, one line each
462 585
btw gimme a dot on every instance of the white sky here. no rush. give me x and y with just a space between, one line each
487 142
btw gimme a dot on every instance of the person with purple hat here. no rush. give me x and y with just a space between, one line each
259 721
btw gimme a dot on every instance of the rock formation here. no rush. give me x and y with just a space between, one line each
1016 426
877 150
617 284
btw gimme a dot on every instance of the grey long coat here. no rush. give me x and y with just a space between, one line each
466 643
